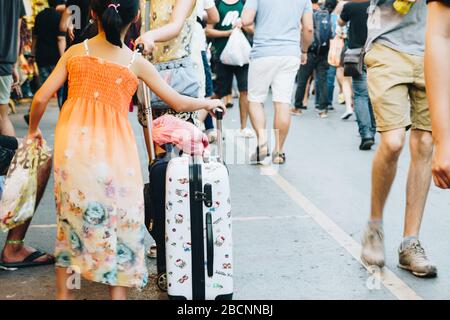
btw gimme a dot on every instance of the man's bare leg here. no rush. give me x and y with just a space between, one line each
6 126
419 180
384 170
282 122
16 251
243 108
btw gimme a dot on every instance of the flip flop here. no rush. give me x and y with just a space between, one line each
28 261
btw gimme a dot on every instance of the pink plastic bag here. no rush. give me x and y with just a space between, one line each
185 135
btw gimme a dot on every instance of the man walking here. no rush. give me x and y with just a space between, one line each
11 13
229 12
275 59
355 14
317 61
395 63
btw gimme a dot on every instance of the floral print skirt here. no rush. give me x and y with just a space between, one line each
99 196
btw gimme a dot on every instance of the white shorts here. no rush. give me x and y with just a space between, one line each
276 72
5 89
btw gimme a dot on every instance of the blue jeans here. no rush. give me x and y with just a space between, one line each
363 107
331 79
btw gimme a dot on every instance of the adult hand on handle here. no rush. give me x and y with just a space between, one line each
213 105
147 41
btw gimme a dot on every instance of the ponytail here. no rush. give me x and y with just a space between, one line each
112 24
115 16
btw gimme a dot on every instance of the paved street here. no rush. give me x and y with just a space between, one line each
297 229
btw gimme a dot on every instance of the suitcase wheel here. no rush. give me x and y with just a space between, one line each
161 281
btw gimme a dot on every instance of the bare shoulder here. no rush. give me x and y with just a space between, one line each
141 65
75 50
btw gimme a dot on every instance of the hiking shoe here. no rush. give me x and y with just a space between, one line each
372 253
412 257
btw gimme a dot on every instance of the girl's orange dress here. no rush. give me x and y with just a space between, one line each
98 181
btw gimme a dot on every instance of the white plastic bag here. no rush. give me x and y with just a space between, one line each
237 50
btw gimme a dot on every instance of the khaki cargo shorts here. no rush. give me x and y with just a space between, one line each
396 83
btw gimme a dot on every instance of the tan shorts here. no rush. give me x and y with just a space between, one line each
396 84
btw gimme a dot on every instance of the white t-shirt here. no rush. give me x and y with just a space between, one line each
202 5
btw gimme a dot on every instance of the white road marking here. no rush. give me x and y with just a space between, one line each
391 281
257 218
43 226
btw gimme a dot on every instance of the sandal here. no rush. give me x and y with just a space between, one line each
29 261
279 158
259 156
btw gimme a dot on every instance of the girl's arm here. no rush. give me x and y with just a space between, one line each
437 77
54 82
181 11
148 73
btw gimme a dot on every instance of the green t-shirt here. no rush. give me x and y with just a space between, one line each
229 13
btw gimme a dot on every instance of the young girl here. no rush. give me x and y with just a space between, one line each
98 182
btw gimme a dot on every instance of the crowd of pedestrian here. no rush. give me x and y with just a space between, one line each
391 69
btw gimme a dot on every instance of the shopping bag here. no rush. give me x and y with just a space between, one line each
237 50
335 53
18 201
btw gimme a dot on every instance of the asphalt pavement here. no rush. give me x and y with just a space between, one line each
296 228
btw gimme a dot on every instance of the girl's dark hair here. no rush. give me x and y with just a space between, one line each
115 15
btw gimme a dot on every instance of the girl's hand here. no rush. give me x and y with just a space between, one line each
35 136
213 104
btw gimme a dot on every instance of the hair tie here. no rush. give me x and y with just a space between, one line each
115 6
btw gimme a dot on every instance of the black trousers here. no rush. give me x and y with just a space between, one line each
319 64
8 147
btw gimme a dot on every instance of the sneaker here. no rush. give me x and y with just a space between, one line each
341 98
296 111
412 257
229 105
347 114
331 108
323 114
372 253
366 144
246 133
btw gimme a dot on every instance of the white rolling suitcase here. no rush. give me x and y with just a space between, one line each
199 257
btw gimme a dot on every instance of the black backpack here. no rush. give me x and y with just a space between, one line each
323 32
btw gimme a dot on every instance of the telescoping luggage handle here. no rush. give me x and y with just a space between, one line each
219 118
148 112
149 119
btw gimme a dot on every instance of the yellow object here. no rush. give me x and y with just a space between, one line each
402 6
